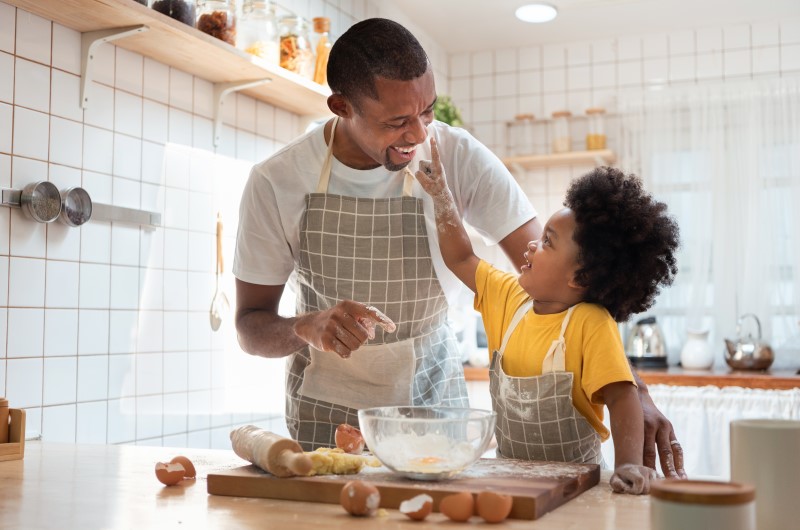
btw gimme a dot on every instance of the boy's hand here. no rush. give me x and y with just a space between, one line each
431 175
632 479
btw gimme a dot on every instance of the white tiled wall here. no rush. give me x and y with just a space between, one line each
491 87
104 329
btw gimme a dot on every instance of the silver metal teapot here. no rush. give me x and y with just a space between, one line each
748 353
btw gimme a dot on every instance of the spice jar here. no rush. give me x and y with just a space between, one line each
218 19
596 133
257 32
520 135
702 505
561 140
180 10
322 49
296 54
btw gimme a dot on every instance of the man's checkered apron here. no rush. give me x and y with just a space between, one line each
536 419
373 251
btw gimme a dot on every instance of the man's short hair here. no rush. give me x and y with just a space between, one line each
375 47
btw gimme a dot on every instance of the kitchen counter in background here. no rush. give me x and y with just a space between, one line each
675 376
112 486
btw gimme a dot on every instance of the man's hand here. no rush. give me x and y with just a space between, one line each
343 328
658 434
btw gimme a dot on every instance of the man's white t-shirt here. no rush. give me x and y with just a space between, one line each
273 201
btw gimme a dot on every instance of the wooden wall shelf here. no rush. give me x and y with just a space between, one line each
15 448
185 48
573 158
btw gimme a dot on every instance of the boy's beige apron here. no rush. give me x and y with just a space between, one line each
536 419
373 251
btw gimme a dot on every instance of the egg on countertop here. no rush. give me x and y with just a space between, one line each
458 507
493 507
360 498
417 508
169 474
189 470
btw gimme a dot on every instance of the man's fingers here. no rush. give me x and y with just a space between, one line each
380 319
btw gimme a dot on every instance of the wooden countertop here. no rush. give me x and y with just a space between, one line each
107 486
676 376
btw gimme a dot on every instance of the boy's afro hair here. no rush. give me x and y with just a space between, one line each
627 241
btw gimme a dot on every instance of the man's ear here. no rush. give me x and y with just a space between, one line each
340 106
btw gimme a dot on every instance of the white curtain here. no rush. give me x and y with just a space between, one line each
726 160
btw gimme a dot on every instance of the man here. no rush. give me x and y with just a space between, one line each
338 208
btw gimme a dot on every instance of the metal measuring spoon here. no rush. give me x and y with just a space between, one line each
219 304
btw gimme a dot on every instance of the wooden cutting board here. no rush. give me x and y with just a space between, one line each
537 487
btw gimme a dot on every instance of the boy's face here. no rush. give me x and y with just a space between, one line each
549 273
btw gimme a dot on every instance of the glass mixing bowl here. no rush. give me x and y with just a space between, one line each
427 443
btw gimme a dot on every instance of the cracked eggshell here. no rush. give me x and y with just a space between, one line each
349 439
188 467
360 498
169 474
417 508
458 507
493 507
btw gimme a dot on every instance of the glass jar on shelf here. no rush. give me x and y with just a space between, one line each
180 10
520 135
322 49
596 133
218 19
296 53
562 143
257 32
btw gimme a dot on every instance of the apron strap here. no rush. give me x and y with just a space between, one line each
325 172
408 181
555 359
514 321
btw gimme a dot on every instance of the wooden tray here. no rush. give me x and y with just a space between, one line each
15 448
537 487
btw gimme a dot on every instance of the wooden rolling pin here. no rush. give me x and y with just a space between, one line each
274 454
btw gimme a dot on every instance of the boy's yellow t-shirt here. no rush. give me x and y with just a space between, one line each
594 346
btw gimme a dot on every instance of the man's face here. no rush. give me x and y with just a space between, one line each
386 131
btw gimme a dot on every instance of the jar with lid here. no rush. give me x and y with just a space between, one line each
596 133
180 10
322 49
702 505
218 19
257 32
560 135
520 135
296 53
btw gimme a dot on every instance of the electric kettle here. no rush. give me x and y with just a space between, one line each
645 346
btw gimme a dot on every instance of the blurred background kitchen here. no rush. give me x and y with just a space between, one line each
105 332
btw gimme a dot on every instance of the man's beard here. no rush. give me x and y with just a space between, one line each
391 166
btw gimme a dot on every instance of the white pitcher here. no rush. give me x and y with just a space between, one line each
696 353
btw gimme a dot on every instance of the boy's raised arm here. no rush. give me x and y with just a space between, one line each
453 239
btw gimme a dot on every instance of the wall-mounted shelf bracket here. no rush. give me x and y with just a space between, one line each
89 43
223 89
108 212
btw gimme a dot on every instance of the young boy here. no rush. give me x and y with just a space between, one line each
557 353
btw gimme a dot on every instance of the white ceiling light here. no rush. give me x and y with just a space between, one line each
536 13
